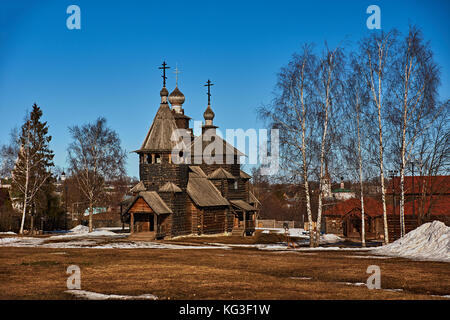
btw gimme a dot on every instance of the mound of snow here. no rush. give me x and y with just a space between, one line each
79 229
330 238
103 233
430 241
96 232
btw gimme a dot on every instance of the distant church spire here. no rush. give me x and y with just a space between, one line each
164 92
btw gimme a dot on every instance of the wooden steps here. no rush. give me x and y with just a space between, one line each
237 231
142 236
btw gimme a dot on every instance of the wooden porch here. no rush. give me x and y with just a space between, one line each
241 226
148 217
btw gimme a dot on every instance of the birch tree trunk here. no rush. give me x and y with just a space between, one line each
24 211
305 179
322 160
383 190
91 210
361 182
380 51
27 181
305 165
329 78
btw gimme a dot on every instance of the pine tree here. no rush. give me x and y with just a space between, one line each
34 161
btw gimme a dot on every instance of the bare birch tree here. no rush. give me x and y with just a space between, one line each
376 60
328 88
416 78
356 100
291 114
95 156
32 168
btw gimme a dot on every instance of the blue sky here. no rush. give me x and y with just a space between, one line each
110 67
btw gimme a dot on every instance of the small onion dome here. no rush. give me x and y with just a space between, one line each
164 92
176 98
208 114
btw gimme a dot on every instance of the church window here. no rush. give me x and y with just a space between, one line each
157 158
235 185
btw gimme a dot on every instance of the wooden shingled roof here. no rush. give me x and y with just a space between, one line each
243 205
153 200
170 187
221 173
160 133
196 171
202 191
138 187
223 147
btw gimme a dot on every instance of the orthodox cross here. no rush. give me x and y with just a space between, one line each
176 74
209 84
164 67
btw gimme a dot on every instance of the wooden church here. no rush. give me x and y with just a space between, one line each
195 194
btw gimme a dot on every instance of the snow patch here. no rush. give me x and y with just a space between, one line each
8 233
302 234
370 257
85 241
100 296
81 230
358 284
293 232
8 240
430 241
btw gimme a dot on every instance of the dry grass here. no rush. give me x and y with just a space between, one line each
39 273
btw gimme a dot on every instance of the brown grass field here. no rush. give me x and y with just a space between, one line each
239 273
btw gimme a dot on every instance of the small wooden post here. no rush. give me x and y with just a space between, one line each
226 221
245 222
203 220
155 223
132 222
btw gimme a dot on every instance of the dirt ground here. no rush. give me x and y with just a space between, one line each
238 273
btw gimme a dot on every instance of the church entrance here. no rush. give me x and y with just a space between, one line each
144 222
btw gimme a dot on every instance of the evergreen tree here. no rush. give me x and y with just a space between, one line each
34 161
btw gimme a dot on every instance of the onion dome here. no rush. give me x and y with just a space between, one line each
164 92
176 97
208 114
